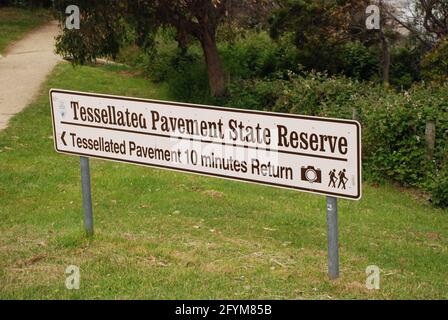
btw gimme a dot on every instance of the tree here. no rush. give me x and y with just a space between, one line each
427 23
32 4
332 35
322 29
103 23
427 20
435 63
435 17
354 13
314 29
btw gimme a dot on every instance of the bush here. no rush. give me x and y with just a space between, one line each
187 79
264 75
435 63
27 3
394 139
394 123
249 56
184 72
256 55
310 93
358 61
440 190
404 69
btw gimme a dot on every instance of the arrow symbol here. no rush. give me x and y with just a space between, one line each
62 138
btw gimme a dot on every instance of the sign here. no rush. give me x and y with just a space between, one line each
318 155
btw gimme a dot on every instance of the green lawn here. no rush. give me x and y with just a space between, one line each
15 22
161 234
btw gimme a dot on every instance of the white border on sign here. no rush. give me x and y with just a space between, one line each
275 114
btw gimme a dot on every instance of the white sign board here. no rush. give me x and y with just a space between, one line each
318 155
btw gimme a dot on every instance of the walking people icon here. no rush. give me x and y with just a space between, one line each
333 178
342 179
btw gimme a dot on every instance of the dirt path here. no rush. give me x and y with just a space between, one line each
23 68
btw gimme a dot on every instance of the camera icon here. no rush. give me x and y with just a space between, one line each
311 174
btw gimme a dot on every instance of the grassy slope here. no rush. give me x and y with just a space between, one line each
15 22
161 234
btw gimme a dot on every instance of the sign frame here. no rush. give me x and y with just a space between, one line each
215 108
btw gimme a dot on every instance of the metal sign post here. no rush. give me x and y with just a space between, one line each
333 238
86 196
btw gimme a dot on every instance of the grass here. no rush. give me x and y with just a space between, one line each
165 235
15 22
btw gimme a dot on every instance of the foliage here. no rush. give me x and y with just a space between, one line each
101 33
267 74
312 27
327 34
358 61
250 55
103 22
405 70
440 189
187 77
256 55
435 63
26 3
393 137
426 20
312 93
393 123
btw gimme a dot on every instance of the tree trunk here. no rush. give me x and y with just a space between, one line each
216 78
385 59
385 50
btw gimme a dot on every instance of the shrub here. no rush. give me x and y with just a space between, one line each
184 72
187 78
310 93
440 189
251 55
404 69
131 55
435 63
254 94
256 55
393 139
358 61
394 123
262 77
433 103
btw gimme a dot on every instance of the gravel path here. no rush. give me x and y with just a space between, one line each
24 68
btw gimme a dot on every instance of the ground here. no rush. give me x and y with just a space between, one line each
15 23
160 234
27 62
